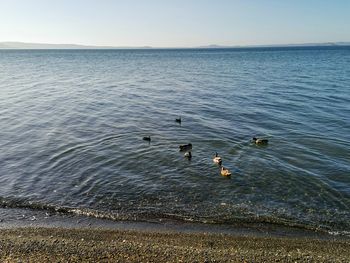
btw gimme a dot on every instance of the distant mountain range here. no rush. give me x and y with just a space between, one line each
22 45
283 45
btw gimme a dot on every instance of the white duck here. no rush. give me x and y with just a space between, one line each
217 159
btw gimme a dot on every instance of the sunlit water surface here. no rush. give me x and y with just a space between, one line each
72 123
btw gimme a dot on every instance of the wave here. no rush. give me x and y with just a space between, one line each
159 217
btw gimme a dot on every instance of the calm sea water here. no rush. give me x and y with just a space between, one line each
72 123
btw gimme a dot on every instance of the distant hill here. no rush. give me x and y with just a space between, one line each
283 45
22 45
216 46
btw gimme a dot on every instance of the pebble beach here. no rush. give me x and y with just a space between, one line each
47 244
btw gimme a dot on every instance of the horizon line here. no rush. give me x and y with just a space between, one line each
35 45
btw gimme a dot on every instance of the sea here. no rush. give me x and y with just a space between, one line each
72 124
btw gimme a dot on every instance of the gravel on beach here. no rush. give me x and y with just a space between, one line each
102 245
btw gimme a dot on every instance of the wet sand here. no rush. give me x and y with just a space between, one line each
47 244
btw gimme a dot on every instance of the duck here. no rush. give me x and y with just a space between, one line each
260 141
147 138
178 120
225 172
217 159
185 147
188 155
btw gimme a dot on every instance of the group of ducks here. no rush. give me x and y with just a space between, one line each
217 159
224 171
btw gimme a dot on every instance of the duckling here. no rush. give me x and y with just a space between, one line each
217 159
147 138
178 120
188 155
225 172
185 147
260 141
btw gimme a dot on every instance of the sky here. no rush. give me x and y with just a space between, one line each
175 23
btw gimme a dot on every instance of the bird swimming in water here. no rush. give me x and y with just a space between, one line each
147 138
178 120
217 159
260 141
188 155
225 172
185 147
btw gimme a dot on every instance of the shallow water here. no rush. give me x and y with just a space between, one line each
72 123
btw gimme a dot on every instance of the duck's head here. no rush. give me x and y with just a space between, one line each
254 139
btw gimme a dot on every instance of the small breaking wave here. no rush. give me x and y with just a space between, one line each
158 217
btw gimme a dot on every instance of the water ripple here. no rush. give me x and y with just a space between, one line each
72 134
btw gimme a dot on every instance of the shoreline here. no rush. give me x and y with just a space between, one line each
52 244
12 218
82 239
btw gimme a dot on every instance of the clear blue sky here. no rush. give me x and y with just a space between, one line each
174 23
